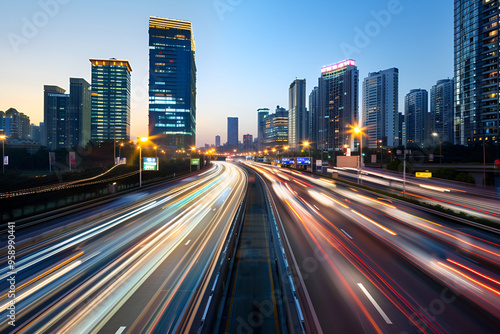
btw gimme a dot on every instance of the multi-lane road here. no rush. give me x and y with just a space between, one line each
366 263
131 265
370 264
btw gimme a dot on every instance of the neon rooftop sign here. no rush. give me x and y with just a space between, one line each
338 66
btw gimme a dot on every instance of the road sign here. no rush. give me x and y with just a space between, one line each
196 161
303 161
150 164
287 161
426 175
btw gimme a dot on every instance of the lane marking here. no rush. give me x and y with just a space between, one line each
379 309
187 243
120 330
346 233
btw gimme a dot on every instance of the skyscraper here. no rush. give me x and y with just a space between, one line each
276 129
55 110
110 115
248 143
314 116
261 125
297 114
442 110
416 109
232 132
15 124
338 87
380 108
79 112
476 71
172 83
217 141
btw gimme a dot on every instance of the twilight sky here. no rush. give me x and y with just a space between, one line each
247 51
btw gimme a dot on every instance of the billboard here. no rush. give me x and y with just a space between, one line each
287 161
303 161
150 164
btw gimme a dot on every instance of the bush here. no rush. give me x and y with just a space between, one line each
394 165
465 177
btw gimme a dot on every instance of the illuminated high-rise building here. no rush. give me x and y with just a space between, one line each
338 89
262 113
477 89
297 115
232 132
380 108
110 116
172 83
441 116
416 114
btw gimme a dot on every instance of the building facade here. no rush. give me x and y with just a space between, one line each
441 114
339 110
15 124
80 107
217 141
476 71
276 129
172 83
380 108
416 113
314 117
110 108
232 132
262 113
297 114
56 115
248 143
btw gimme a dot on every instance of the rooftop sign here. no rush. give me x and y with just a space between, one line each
338 66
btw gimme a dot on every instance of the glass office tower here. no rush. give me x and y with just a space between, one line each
338 89
380 108
297 115
172 83
110 119
476 71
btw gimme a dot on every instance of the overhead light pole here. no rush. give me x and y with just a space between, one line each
358 131
3 137
435 134
143 139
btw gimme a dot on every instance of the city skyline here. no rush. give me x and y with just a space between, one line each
268 74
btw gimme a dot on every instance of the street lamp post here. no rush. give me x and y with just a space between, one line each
143 139
120 152
3 152
484 162
358 131
306 144
435 134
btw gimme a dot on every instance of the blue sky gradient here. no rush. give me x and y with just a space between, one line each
247 51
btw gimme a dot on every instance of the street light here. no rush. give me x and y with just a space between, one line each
306 145
120 152
3 137
142 139
435 134
357 130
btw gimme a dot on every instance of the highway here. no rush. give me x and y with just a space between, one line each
373 265
469 199
132 265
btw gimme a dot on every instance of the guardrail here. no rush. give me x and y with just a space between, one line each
295 316
205 316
